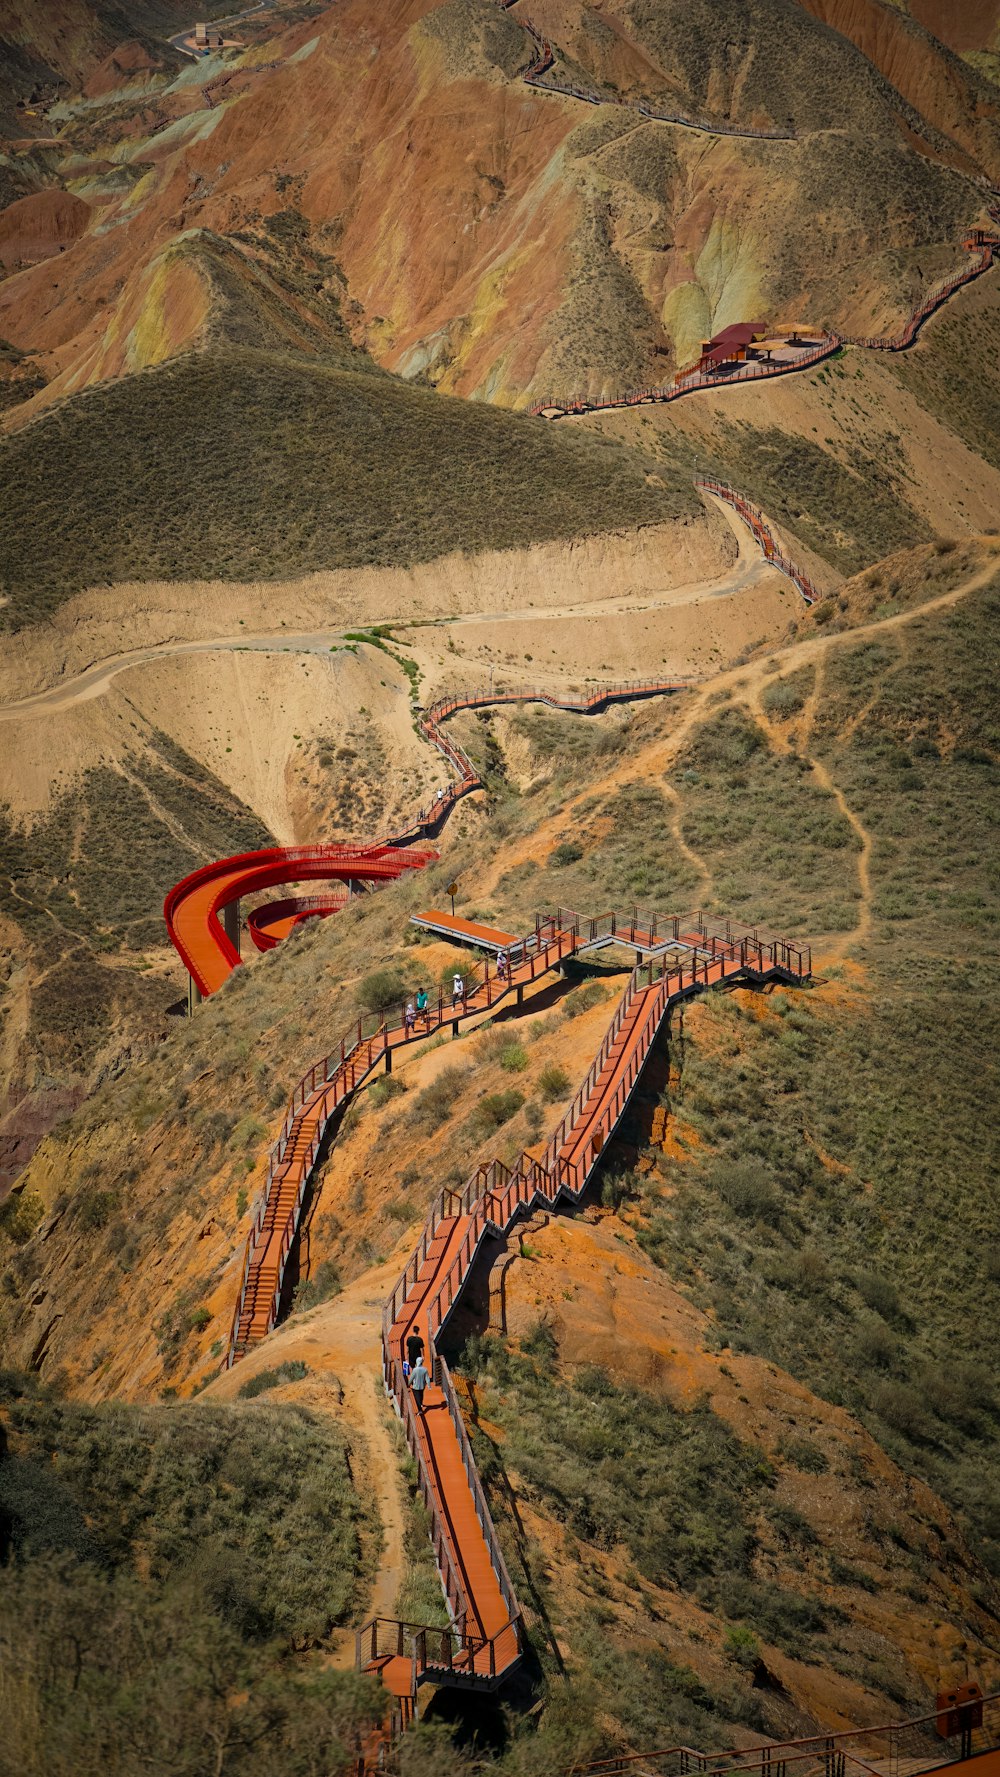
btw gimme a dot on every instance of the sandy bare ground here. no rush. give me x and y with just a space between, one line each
746 684
253 705
128 622
470 633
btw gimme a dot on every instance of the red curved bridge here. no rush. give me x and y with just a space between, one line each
209 944
267 925
209 947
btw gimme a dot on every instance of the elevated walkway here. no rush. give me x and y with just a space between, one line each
209 947
466 931
323 1092
269 924
485 1640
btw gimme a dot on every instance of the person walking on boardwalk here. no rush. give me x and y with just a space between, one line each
409 1017
418 1382
414 1344
502 966
457 990
422 1011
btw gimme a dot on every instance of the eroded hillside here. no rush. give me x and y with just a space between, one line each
497 238
264 315
765 1202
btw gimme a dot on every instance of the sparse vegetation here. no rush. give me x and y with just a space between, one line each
291 1371
289 459
169 1535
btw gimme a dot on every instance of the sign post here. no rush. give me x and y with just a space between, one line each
452 890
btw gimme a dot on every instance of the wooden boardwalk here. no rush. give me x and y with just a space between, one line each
485 1640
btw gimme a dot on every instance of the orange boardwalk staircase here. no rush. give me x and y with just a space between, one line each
685 956
321 1095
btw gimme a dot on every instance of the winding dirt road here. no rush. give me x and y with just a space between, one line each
96 679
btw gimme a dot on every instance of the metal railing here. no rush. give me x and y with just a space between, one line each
327 1085
758 524
686 382
544 59
916 1744
495 1195
429 721
980 241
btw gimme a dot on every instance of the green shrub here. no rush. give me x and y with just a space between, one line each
20 1216
553 1082
513 1057
748 1188
567 852
384 990
171 1538
740 1645
803 1454
617 1188
385 1089
324 1283
496 1108
791 1526
94 1209
291 1371
584 999
437 1101
784 697
398 1209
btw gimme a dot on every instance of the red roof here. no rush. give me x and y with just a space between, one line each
739 334
731 340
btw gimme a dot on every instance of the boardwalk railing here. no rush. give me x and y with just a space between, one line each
543 58
321 1093
495 1195
921 1743
980 241
758 524
558 407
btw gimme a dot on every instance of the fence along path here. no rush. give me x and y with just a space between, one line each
542 60
984 245
323 1091
888 1749
772 550
192 907
320 1096
484 1641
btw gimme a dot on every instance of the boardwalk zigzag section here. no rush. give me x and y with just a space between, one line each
325 1089
684 957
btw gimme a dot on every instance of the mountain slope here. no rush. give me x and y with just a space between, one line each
790 1205
503 241
245 464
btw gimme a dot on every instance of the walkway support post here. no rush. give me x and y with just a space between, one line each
194 995
231 924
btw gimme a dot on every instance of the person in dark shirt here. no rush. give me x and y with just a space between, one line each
414 1345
